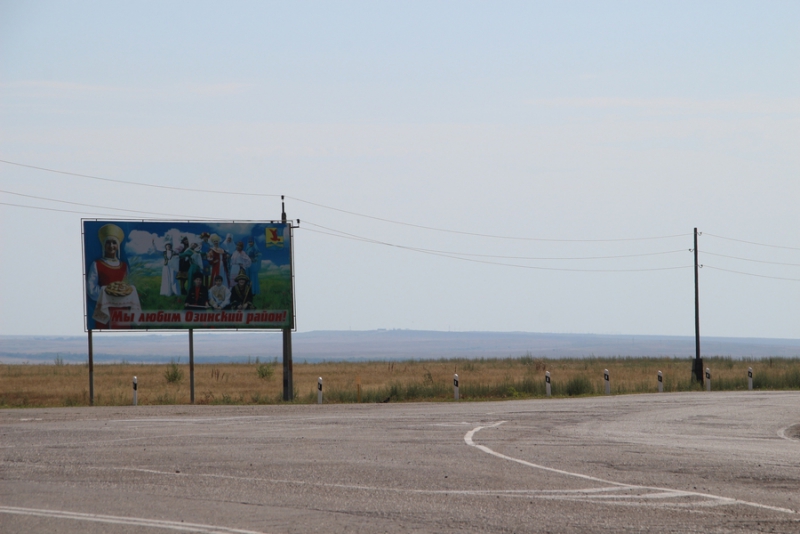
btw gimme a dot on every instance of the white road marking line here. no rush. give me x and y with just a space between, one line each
241 418
90 443
120 520
271 430
361 487
676 493
782 433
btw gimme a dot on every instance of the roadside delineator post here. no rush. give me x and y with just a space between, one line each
708 379
660 382
749 378
608 381
319 390
455 387
547 383
134 391
358 388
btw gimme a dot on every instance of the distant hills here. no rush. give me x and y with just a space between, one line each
375 345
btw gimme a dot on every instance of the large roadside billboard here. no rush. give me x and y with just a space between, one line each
179 275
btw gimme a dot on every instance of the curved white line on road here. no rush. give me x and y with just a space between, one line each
782 433
487 450
120 520
676 493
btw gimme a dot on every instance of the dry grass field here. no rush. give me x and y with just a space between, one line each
484 379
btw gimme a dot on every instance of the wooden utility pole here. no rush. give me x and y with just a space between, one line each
288 384
698 361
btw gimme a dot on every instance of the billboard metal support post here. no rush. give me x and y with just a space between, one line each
288 390
91 370
191 365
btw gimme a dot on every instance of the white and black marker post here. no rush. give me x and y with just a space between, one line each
660 382
319 390
455 387
749 378
134 391
547 383
708 379
608 381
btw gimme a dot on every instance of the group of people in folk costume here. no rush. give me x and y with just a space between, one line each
219 296
218 279
218 263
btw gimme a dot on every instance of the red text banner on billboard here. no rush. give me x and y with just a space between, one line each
179 275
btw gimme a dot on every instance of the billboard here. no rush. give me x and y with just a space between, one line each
179 275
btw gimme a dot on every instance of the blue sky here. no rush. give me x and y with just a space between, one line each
551 120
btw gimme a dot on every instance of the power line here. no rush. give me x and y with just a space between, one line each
621 256
445 255
751 274
750 259
101 207
751 242
493 236
62 211
340 210
141 184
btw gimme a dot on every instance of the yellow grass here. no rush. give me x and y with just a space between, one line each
68 385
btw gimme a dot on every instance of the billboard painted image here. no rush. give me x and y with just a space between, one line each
180 275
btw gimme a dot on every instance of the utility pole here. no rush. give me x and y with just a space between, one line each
288 385
698 361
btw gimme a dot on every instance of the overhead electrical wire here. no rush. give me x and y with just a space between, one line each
751 242
58 210
750 259
140 184
447 254
101 207
464 256
620 256
324 206
706 266
425 251
493 236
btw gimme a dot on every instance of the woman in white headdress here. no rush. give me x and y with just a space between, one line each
169 270
107 280
108 269
229 247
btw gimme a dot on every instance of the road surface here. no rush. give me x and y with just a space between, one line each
695 462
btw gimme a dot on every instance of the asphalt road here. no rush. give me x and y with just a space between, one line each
699 462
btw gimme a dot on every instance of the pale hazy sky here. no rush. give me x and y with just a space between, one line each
549 120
